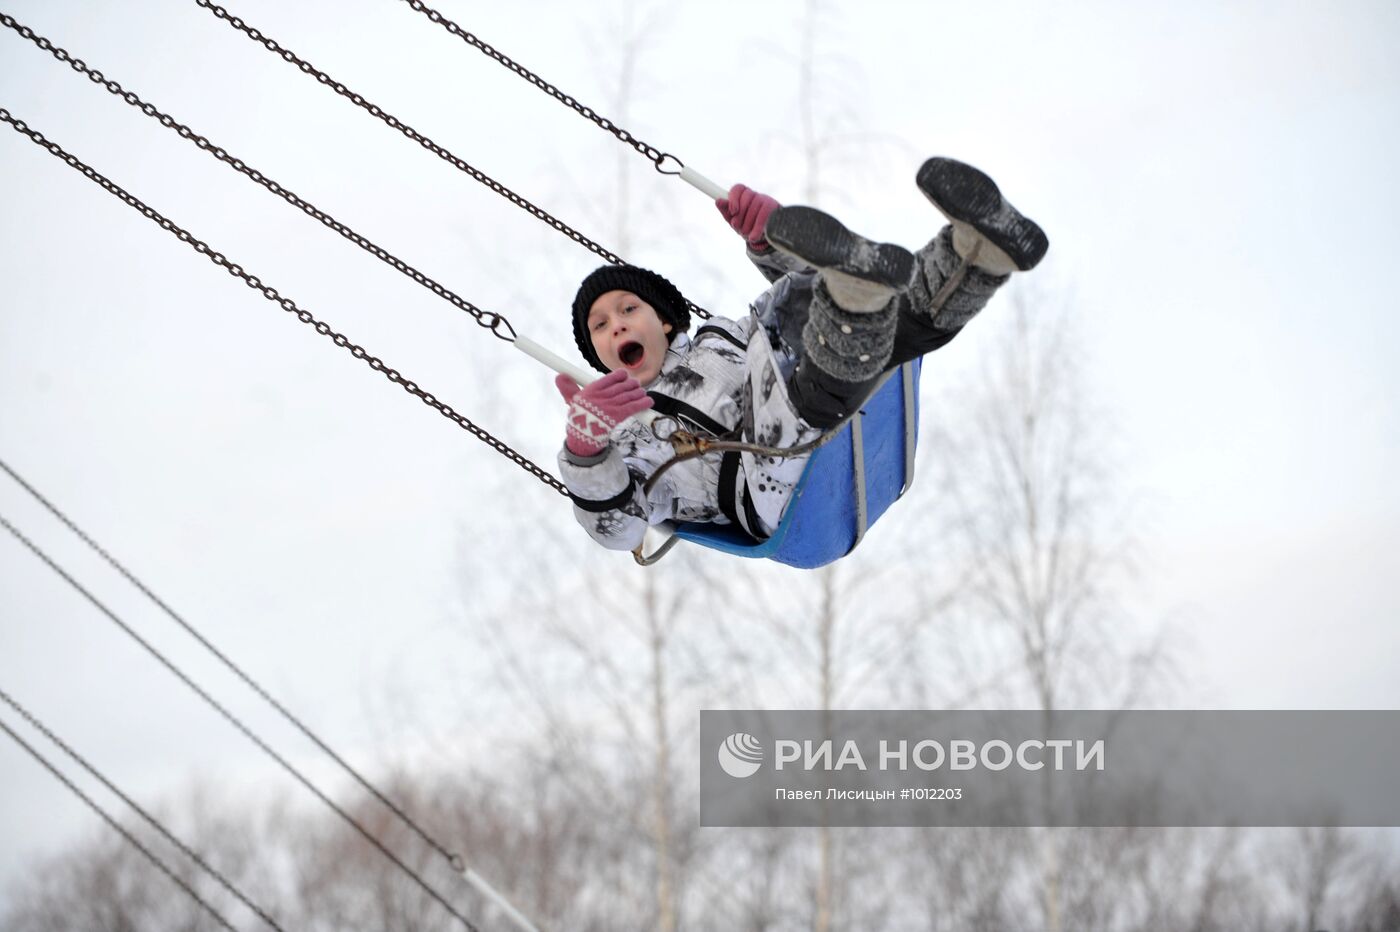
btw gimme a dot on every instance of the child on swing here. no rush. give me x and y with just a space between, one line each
840 311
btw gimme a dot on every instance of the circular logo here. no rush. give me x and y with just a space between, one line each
740 755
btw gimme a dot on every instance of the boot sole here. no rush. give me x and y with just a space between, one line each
821 240
966 194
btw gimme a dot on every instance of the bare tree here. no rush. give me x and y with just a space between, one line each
613 625
1040 518
1038 521
303 866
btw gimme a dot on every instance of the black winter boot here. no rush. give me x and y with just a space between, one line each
860 275
974 204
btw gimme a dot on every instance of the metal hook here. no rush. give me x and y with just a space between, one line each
661 159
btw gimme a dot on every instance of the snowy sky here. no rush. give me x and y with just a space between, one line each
1217 180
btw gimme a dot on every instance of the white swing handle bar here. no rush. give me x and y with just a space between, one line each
561 365
488 891
697 180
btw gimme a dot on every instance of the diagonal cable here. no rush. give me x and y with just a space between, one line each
285 303
437 149
130 838
146 816
454 859
236 722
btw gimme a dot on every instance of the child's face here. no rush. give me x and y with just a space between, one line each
627 334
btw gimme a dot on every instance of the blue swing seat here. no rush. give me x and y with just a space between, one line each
847 485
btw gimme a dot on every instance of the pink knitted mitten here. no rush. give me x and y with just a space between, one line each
747 211
599 407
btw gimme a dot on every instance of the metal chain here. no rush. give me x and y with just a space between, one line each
499 326
118 828
437 149
655 155
455 860
267 291
146 816
238 724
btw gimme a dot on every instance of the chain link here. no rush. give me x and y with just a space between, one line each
286 304
654 154
121 830
150 820
237 723
452 858
437 149
493 322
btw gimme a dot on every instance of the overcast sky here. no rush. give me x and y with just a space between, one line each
1217 180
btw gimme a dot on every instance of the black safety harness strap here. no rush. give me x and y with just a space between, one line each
671 407
721 332
734 504
731 499
728 474
617 501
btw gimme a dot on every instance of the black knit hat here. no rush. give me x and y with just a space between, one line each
665 297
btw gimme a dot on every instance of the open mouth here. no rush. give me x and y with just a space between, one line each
631 354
